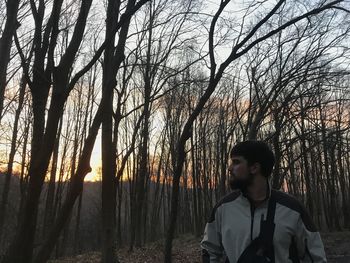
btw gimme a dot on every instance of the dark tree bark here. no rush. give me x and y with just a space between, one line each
108 153
5 46
143 171
49 206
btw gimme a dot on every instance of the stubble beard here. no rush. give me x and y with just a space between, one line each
241 184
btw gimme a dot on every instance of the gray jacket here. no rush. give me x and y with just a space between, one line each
234 223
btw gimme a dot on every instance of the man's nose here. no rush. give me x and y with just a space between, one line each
230 167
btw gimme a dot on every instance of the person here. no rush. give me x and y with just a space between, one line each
236 220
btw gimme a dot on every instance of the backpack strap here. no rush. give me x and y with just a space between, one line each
268 228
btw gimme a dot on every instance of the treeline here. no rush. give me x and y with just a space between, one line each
164 89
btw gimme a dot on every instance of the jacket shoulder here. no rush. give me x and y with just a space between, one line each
294 204
226 199
287 200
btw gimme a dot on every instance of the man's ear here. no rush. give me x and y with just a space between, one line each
255 168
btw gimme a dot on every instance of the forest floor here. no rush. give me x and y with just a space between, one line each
186 250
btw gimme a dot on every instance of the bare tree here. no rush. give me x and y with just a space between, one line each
10 27
240 48
44 135
9 170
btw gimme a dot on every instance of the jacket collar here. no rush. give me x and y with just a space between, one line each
268 192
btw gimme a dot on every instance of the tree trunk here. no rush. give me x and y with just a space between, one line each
11 25
108 153
77 245
6 187
75 189
49 212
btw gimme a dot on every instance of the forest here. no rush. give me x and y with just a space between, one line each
117 117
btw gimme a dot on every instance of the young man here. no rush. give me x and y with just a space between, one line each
236 221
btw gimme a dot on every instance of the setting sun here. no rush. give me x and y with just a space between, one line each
95 162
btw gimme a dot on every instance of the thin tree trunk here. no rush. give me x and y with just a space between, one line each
108 153
49 212
11 25
75 189
23 176
6 187
77 245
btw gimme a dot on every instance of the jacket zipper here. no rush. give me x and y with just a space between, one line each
252 210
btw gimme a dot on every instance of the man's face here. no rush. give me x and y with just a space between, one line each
241 175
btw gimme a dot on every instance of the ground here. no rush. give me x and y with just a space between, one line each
337 246
186 250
